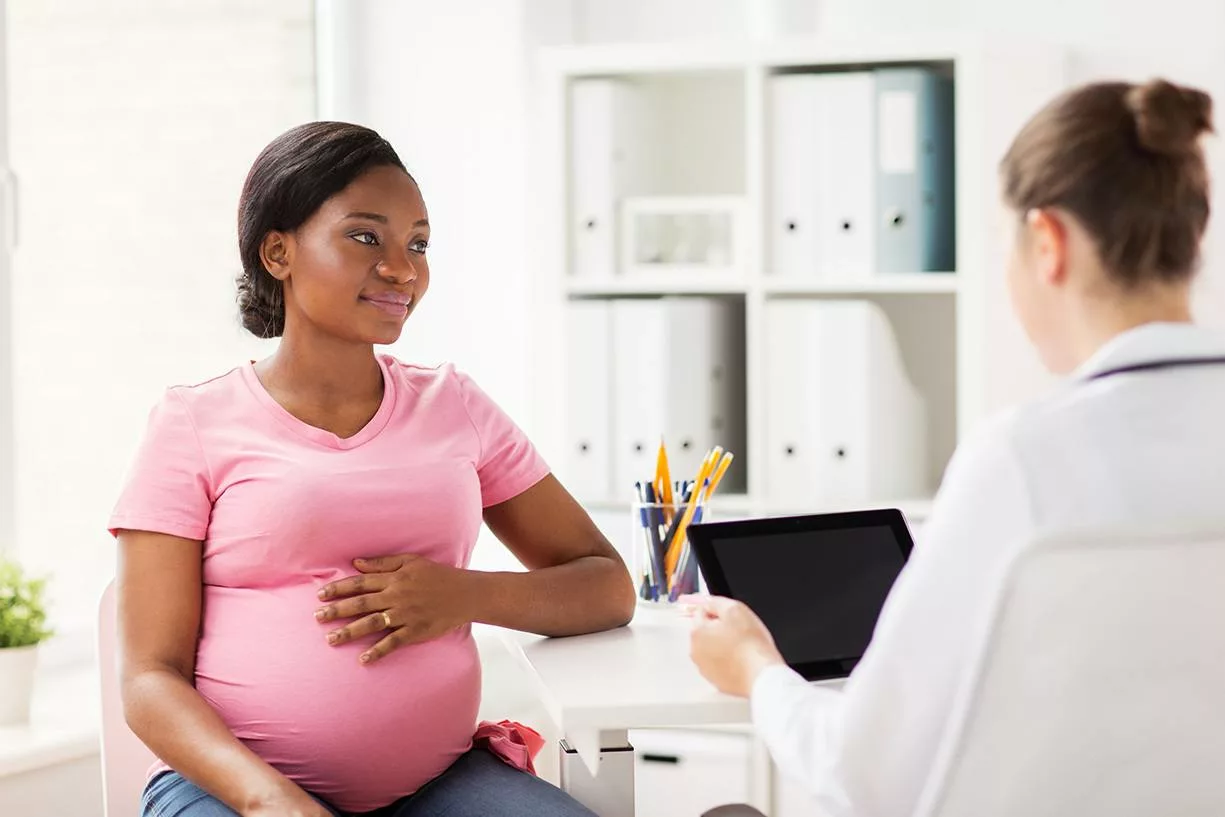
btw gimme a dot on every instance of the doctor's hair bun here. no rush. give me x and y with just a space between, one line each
1170 118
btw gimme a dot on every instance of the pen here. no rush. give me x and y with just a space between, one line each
650 533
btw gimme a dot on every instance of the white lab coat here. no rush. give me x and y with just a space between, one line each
1133 448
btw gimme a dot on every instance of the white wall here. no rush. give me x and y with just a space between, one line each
446 83
1176 25
597 21
133 125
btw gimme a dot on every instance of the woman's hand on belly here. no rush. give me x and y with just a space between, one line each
410 598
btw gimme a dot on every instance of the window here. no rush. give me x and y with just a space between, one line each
132 128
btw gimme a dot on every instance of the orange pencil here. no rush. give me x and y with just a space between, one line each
663 479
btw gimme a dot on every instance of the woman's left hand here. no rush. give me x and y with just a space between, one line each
409 597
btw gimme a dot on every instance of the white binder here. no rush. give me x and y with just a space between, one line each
678 372
606 160
823 175
845 426
588 462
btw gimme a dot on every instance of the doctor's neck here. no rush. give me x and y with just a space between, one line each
1105 316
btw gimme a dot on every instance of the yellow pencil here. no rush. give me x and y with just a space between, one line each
724 464
663 478
675 546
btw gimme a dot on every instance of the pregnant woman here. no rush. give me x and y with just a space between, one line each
294 597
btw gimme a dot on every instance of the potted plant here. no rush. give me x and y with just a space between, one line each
23 625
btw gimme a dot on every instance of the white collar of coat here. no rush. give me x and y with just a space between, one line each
1150 343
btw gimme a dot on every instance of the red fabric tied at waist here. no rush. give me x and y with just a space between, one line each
517 745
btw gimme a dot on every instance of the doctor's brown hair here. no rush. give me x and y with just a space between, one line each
1126 161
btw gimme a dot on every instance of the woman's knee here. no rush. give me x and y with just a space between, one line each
734 811
480 784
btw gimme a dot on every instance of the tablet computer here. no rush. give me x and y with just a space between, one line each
818 582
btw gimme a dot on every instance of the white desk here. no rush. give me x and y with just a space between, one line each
598 687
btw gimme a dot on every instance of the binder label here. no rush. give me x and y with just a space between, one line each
897 126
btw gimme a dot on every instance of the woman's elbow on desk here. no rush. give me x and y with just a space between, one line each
587 595
576 581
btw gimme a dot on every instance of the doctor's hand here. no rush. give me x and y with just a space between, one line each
407 599
729 644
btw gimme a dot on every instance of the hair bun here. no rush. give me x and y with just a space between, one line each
1169 118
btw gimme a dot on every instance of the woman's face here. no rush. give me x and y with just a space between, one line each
357 268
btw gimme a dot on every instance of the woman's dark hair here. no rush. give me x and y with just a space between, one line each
292 177
1126 161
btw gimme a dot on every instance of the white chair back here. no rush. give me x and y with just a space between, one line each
125 760
1099 687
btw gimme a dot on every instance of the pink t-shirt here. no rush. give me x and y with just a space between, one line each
283 508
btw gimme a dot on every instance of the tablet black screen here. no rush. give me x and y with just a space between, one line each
819 591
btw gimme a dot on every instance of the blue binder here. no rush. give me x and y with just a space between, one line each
914 173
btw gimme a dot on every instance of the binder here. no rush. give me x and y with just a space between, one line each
823 175
607 156
794 105
914 178
845 426
588 354
678 371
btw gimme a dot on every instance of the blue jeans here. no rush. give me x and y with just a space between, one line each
476 785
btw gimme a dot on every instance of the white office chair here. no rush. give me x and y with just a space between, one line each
125 760
1098 687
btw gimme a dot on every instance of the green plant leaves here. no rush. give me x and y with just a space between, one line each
23 611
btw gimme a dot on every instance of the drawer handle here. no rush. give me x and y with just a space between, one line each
653 758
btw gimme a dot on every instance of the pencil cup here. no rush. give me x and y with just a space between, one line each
664 566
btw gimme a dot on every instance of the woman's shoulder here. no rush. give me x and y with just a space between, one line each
217 384
206 396
426 378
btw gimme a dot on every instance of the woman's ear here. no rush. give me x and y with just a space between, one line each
1048 237
275 252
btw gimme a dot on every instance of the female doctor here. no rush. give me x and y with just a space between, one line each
1110 196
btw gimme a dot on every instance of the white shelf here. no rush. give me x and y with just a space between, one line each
663 283
915 283
620 59
871 49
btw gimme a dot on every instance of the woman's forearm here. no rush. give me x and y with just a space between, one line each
170 716
586 595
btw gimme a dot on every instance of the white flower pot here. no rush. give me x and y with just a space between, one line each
16 684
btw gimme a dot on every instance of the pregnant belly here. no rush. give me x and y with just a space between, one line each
358 736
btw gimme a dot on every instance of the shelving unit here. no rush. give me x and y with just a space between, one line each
958 340
925 283
916 283
666 284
